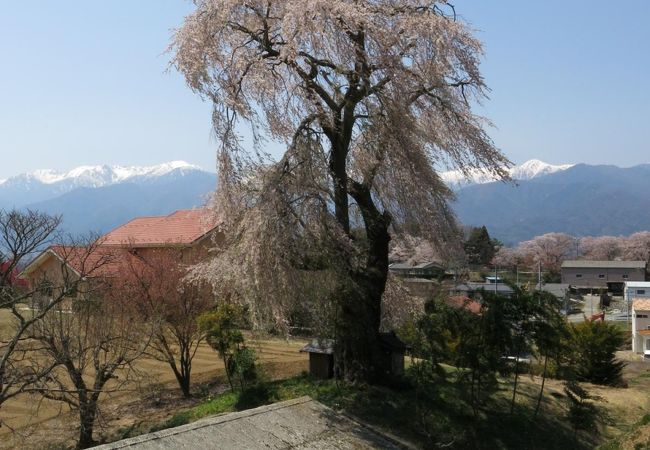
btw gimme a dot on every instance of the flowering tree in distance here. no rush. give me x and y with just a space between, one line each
368 97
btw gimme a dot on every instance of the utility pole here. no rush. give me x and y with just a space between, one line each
539 274
517 270
496 278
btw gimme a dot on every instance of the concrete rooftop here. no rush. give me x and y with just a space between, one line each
301 423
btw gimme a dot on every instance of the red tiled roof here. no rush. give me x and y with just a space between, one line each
641 304
182 227
460 301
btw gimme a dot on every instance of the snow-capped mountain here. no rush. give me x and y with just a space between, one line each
526 171
98 198
97 176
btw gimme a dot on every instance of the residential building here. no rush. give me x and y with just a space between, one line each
189 231
427 270
473 290
636 289
73 272
610 275
187 234
641 326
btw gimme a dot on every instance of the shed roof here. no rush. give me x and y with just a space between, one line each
587 264
322 346
182 227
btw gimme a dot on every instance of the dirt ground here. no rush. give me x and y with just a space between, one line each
32 423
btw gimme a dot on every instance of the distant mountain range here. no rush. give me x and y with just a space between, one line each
527 171
99 198
576 199
581 200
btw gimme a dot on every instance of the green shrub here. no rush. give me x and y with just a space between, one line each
592 350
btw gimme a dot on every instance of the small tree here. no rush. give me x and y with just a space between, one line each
155 282
583 413
23 235
91 350
592 354
222 328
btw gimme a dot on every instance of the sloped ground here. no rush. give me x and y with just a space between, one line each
30 421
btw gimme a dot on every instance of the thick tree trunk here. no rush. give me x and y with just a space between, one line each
360 354
87 413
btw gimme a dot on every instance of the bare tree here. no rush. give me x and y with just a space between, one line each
91 349
23 234
368 97
155 283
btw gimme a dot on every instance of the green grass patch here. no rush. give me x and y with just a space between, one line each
439 417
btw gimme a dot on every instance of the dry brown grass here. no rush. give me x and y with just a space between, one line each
34 421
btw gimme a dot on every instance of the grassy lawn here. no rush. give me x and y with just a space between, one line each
443 420
6 323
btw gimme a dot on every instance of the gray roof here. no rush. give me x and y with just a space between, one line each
471 286
557 289
585 264
297 424
324 346
408 266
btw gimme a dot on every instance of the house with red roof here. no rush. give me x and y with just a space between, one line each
191 232
186 234
9 275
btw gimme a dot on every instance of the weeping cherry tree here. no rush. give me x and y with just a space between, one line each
368 98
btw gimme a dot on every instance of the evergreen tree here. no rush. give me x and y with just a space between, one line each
480 248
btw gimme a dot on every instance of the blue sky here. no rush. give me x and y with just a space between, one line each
86 83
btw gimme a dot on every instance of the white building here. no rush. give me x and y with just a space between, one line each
633 290
636 289
641 326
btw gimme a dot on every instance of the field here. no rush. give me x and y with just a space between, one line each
156 403
30 417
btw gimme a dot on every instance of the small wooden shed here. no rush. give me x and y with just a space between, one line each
394 350
321 358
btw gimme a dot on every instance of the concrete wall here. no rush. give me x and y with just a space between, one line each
599 277
639 324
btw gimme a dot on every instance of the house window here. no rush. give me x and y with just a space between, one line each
641 316
640 292
578 275
626 276
601 275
